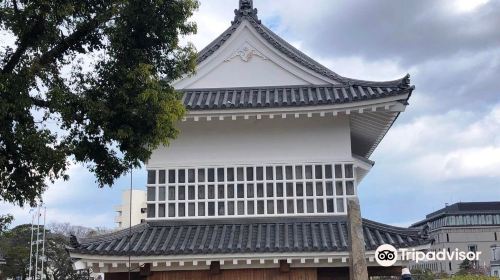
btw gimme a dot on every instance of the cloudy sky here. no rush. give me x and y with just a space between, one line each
445 148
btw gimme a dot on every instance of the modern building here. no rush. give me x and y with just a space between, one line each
255 186
131 214
466 226
495 260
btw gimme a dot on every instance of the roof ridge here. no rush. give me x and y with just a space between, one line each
216 43
116 234
249 220
386 227
403 82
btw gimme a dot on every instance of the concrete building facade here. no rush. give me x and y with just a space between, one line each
131 214
466 226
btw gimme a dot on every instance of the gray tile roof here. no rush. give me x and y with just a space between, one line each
293 96
265 235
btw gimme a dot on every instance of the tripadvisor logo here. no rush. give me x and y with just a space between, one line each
387 255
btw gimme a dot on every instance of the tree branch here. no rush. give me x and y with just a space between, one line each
24 43
16 9
39 102
60 48
14 59
70 41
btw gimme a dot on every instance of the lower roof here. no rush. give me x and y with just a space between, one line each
289 96
263 235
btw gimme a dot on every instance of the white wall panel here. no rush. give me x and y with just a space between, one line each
257 141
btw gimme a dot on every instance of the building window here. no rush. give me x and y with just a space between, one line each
151 176
447 237
151 211
472 248
151 194
300 189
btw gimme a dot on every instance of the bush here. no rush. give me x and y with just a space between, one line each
422 274
473 277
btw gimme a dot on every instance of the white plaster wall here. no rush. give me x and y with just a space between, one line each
257 141
255 72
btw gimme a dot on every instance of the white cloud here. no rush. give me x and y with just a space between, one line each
356 67
65 190
460 163
463 6
75 215
78 217
450 146
212 19
21 215
78 201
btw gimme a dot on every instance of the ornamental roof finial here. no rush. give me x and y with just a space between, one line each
245 10
246 4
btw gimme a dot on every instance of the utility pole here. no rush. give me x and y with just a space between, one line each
43 241
37 241
31 245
